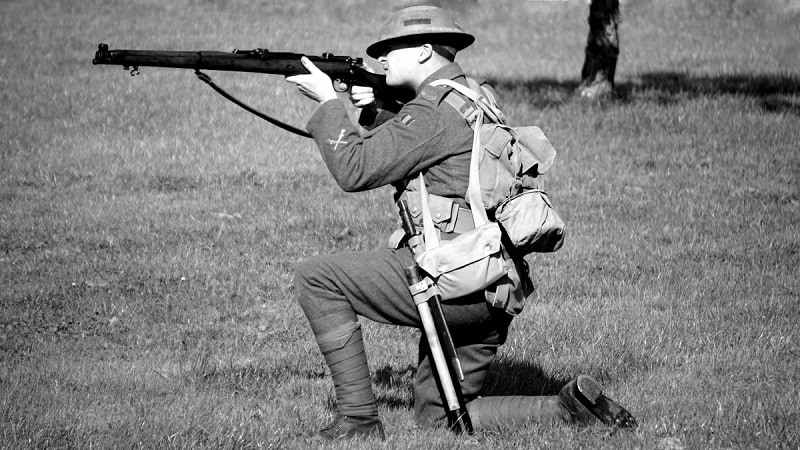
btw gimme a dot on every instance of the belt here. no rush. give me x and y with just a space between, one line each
463 223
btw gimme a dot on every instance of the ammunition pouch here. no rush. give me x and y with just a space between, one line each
448 217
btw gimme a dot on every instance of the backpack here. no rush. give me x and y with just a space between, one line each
509 168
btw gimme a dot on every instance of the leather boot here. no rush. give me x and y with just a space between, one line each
583 398
346 427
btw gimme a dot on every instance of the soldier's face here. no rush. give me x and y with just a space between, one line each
401 63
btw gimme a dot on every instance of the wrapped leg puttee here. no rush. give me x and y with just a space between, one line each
343 350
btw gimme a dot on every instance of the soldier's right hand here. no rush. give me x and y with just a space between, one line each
362 96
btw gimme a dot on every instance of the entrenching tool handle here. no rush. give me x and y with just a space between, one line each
434 300
442 349
448 345
456 408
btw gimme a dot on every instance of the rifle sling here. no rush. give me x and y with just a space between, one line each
207 79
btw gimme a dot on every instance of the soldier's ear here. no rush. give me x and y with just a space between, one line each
425 53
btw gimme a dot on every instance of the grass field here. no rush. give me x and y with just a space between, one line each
149 229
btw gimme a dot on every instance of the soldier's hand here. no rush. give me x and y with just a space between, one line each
316 85
362 96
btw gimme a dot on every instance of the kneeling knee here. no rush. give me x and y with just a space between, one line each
306 274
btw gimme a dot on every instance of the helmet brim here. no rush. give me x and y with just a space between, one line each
459 41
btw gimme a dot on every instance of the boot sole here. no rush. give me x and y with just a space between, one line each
608 411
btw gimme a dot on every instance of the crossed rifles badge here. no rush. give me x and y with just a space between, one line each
335 143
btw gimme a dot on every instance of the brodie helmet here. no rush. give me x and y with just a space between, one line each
429 21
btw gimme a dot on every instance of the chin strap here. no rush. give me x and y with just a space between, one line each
207 79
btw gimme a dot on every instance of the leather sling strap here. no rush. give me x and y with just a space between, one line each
207 79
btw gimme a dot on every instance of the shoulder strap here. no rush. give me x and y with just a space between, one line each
480 97
474 196
474 111
463 106
429 234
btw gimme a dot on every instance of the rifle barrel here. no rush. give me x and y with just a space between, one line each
344 68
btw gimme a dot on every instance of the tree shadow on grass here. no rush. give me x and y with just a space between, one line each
774 93
506 377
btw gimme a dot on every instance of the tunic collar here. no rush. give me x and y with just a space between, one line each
451 71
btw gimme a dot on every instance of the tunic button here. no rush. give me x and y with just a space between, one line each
440 269
438 215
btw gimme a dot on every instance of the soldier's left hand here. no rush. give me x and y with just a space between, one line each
362 96
316 85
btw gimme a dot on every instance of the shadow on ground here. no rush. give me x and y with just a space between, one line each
516 377
506 377
774 93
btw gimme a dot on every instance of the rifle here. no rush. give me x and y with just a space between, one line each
442 350
346 71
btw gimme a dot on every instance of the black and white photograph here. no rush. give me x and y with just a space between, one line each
467 224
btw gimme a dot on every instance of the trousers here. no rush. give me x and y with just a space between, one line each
372 284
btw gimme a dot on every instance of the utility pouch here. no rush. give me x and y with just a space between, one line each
512 291
531 223
469 263
443 210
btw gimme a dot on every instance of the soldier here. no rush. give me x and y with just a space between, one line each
417 45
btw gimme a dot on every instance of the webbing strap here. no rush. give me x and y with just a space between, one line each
428 231
474 187
424 290
474 197
485 102
464 107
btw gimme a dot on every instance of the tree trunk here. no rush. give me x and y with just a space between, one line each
602 48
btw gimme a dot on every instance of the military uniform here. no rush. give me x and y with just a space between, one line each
429 136
426 135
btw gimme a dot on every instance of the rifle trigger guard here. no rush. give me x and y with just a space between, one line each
340 86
